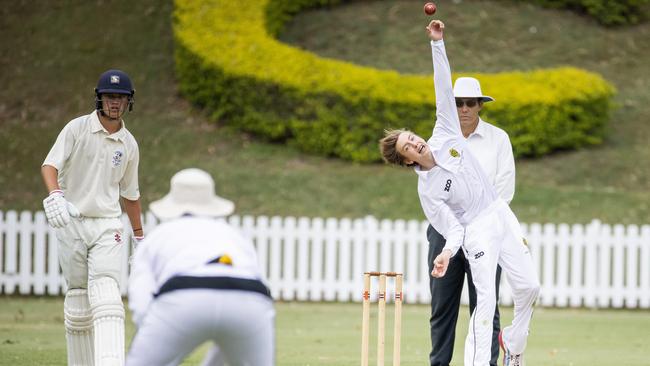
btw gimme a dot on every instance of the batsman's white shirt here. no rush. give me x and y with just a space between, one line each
95 167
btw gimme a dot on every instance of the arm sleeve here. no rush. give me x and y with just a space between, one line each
129 187
142 284
62 148
504 180
447 123
445 222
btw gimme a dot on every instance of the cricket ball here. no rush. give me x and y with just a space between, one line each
429 8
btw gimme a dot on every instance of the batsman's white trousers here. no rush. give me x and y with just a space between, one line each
239 323
90 248
495 237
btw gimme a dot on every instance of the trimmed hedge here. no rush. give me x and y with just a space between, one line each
228 63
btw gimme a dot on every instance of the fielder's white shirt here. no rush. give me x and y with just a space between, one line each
183 247
456 190
94 167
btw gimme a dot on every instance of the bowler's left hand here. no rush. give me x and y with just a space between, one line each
441 263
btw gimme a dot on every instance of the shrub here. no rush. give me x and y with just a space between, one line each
228 63
606 12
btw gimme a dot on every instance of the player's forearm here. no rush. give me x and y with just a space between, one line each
446 114
50 177
133 211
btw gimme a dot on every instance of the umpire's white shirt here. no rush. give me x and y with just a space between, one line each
95 167
491 147
183 247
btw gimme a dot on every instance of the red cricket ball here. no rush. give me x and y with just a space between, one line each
429 8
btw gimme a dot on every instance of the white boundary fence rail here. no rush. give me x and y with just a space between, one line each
313 259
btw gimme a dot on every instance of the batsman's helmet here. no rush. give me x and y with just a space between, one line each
114 82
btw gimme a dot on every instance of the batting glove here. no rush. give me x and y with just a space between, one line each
135 242
57 210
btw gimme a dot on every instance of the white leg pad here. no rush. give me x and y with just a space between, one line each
108 321
78 327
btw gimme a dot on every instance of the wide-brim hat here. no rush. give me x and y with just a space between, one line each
191 193
467 87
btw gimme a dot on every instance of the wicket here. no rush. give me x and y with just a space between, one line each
381 317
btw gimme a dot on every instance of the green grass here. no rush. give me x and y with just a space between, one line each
51 54
32 333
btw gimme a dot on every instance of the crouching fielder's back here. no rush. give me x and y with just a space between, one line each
196 279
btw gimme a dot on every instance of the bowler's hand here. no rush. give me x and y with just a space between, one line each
434 30
441 263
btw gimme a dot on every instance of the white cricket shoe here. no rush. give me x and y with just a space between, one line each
510 359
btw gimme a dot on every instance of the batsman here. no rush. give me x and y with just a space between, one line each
92 164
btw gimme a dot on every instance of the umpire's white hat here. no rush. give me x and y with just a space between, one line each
467 87
191 193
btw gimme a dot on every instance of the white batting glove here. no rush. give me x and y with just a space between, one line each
58 210
135 242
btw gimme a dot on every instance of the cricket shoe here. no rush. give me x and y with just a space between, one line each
510 359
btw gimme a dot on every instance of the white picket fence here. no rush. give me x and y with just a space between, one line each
314 259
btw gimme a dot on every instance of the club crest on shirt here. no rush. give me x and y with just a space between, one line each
118 238
117 158
454 153
222 259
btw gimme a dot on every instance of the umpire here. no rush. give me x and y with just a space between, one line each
491 145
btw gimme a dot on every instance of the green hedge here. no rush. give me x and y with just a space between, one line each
606 12
228 63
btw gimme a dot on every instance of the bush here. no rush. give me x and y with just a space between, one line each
606 12
228 63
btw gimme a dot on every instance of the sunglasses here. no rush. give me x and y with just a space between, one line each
470 103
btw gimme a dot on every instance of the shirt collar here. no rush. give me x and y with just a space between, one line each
96 126
423 174
480 129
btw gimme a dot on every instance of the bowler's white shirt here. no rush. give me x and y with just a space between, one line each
95 167
456 190
183 247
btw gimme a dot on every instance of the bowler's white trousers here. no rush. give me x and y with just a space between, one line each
239 323
495 237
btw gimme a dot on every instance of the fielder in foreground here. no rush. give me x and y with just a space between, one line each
195 279
93 163
462 204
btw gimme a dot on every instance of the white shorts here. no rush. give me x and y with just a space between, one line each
239 323
90 248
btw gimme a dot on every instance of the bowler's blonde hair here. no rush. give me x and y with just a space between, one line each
388 147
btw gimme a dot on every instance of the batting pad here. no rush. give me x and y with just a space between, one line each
78 327
108 321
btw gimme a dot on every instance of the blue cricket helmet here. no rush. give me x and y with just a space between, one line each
114 82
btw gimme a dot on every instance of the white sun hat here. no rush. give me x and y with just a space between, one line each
466 87
191 192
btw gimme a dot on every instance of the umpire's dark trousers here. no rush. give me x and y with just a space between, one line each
445 302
